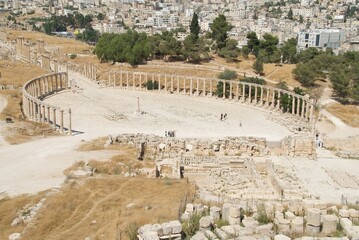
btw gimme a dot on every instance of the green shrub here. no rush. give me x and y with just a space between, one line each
73 56
263 218
220 223
228 75
191 226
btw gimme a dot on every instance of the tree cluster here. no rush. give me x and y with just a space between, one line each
89 35
131 47
61 23
194 49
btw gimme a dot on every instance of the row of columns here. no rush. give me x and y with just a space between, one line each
241 91
36 110
90 70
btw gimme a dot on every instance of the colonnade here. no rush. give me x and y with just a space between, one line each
254 94
34 92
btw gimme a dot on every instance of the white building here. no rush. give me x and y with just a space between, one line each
321 38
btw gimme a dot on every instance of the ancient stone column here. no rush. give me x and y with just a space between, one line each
278 100
33 109
262 92
159 82
62 121
255 94
127 80
204 87
307 110
178 84
165 82
230 89
303 108
69 129
121 73
172 83
197 87
293 104
140 81
48 114
39 112
191 86
250 93
243 92
224 89
298 106
273 98
43 113
237 91
267 96
184 85
54 117
210 87
311 110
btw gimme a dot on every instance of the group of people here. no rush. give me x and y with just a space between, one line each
169 133
223 116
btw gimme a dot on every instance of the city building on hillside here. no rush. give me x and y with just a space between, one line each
321 39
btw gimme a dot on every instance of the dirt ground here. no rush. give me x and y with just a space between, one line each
349 114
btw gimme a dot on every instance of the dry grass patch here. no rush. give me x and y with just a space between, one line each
97 207
64 45
8 212
17 73
281 73
349 114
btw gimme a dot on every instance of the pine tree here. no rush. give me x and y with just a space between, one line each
195 28
258 66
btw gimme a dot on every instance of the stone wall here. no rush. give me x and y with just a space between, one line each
300 145
3 35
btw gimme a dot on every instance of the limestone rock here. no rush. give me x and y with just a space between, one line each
353 213
345 222
312 230
14 236
344 213
313 217
289 215
167 228
199 236
189 208
220 233
176 227
225 211
329 223
281 237
205 223
234 212
264 229
250 222
210 235
215 213
150 236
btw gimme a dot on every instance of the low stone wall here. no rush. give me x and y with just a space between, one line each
35 90
173 147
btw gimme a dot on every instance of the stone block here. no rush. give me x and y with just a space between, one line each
14 236
353 213
199 236
189 208
283 229
220 233
269 209
150 236
234 212
158 228
205 223
215 213
313 217
176 227
314 203
278 215
344 213
234 221
167 228
225 211
229 230
210 235
289 215
278 207
281 237
329 223
250 222
345 222
312 230
295 207
352 232
264 229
